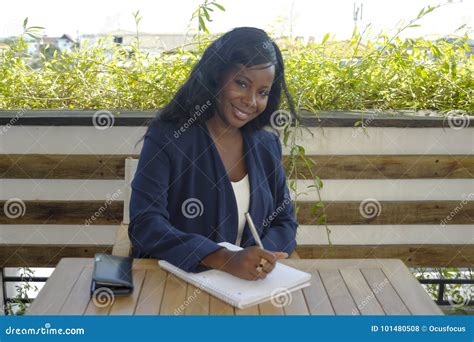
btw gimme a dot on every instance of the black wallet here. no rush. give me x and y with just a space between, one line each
112 272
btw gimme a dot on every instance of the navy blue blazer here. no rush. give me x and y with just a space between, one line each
182 201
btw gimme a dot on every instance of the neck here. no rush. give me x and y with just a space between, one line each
220 129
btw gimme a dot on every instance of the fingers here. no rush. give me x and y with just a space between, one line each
268 267
259 262
258 274
268 256
280 255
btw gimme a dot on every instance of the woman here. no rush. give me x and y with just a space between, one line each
206 161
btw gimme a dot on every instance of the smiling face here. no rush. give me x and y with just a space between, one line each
244 93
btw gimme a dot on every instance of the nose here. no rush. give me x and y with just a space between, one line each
249 101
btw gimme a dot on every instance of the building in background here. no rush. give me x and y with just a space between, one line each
153 43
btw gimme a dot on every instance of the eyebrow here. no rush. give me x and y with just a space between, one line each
251 82
248 79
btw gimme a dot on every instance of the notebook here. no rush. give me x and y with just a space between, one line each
241 293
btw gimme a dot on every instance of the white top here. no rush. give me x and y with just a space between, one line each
242 197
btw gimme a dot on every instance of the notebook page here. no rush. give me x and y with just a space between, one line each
240 292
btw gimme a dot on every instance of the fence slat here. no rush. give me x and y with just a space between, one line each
340 212
108 166
386 166
411 255
45 255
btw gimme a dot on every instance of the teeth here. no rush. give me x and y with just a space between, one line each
241 115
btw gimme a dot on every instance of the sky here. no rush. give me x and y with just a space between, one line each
300 17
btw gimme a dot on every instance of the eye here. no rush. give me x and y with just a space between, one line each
265 93
241 83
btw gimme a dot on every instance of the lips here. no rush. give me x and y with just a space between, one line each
239 114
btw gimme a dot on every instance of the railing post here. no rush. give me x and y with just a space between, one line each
3 306
440 294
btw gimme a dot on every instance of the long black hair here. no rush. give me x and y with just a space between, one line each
247 46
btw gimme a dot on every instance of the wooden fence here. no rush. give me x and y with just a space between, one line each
417 173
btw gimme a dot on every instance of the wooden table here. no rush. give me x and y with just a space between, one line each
339 287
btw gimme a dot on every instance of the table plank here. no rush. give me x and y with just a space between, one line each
317 298
338 286
218 307
149 302
100 308
312 265
3 308
148 264
338 293
268 309
388 298
174 296
413 295
56 290
2 300
362 294
296 304
125 305
78 300
199 301
250 311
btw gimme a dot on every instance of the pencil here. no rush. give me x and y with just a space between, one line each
253 230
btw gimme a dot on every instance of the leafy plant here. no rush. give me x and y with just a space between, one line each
378 73
18 304
451 291
381 73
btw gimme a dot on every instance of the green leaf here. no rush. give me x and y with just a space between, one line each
421 13
326 37
206 14
436 50
202 25
321 220
218 6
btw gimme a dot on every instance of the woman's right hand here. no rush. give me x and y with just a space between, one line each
244 263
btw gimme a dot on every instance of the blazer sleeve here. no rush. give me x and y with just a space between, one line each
150 230
281 234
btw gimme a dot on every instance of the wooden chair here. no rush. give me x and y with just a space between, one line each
122 245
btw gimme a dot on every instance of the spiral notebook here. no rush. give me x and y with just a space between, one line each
243 293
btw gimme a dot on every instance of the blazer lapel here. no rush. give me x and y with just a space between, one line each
255 208
226 205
